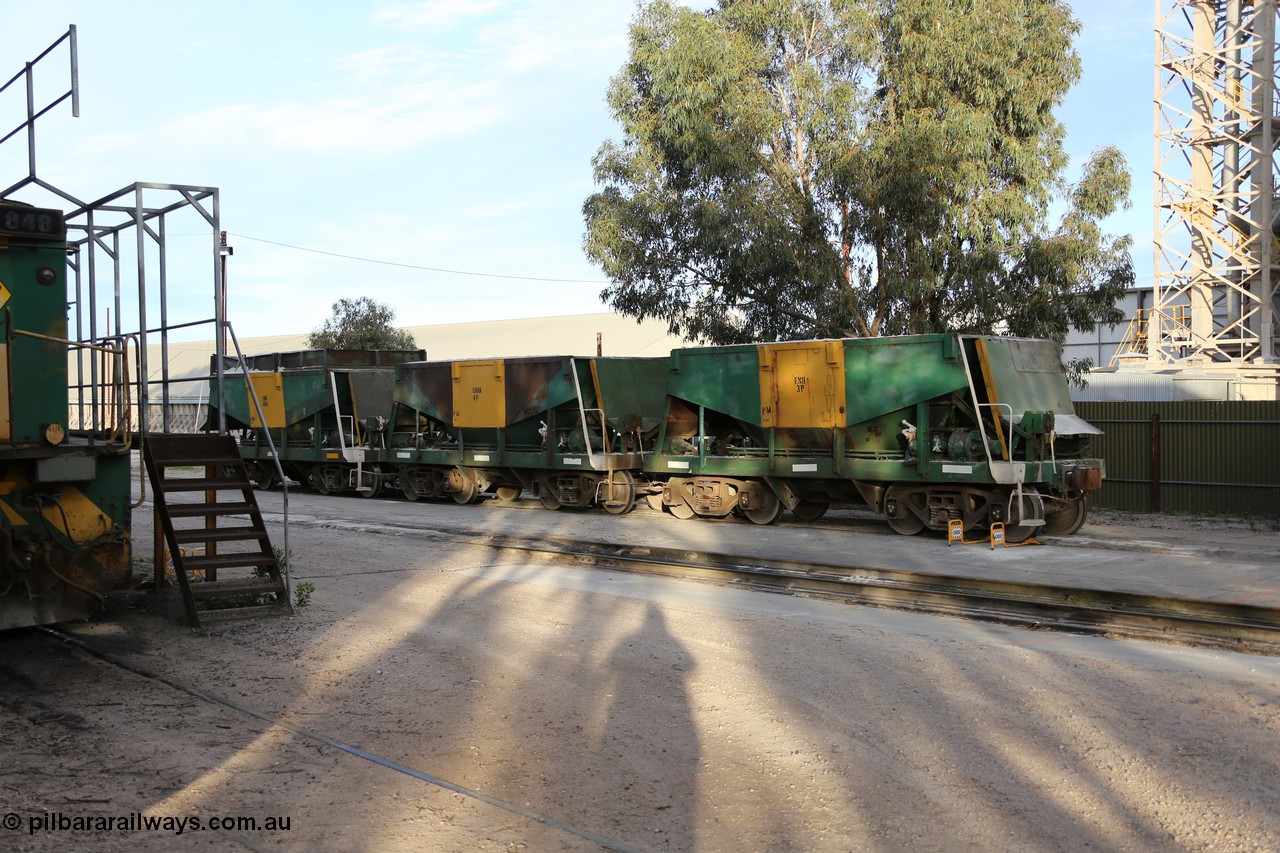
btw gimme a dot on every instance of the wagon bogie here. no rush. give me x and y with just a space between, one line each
420 481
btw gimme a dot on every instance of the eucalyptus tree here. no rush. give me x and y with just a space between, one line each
831 168
360 324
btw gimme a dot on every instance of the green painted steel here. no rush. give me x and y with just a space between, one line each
723 379
890 375
893 384
910 422
543 414
927 430
1028 375
33 267
65 510
307 392
1197 457
425 388
634 391
315 441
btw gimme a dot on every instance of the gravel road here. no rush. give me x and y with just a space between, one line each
528 705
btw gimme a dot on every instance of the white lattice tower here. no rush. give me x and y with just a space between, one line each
1217 283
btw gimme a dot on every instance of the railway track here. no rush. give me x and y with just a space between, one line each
1236 627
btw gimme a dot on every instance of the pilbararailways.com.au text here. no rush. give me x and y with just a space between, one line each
53 822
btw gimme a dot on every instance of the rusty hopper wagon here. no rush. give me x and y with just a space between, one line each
923 429
64 486
326 411
931 431
572 431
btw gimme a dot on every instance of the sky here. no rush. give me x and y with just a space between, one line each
433 155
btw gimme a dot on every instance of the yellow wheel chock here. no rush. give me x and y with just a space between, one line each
955 533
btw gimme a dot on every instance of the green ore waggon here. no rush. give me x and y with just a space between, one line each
573 431
323 412
927 430
922 429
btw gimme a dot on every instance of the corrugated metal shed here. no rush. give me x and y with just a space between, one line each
1126 385
1118 387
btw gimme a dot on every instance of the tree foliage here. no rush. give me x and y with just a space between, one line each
360 324
832 168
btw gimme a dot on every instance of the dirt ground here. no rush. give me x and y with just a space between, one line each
513 705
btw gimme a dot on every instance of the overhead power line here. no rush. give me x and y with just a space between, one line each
416 266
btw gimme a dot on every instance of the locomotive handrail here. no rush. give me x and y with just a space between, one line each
982 428
121 352
125 384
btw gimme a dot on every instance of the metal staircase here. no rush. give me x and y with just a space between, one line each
217 501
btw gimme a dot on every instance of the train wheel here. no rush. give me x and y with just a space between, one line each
1032 508
681 511
654 502
318 482
768 508
1067 520
549 499
373 477
810 510
407 488
509 494
462 486
907 522
262 478
620 493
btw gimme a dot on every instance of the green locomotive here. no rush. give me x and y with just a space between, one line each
64 486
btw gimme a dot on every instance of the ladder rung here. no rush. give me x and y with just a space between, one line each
204 484
189 448
194 462
198 510
222 561
221 534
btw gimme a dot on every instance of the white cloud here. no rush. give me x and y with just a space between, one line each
389 62
522 37
391 120
436 15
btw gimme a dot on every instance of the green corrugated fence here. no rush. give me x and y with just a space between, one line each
1193 457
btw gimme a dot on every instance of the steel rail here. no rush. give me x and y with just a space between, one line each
1237 627
1247 628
